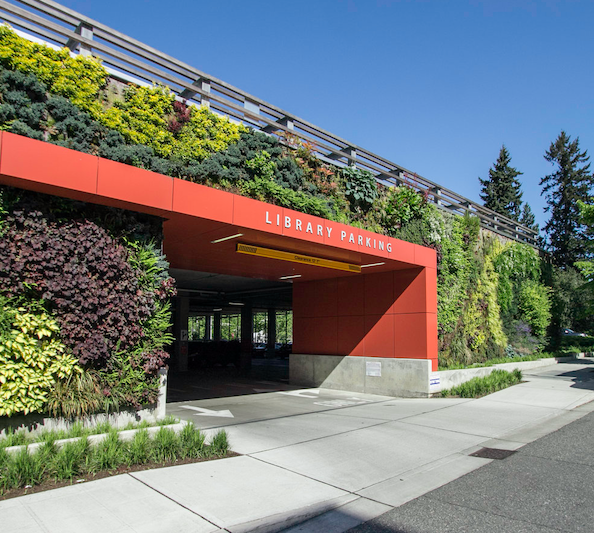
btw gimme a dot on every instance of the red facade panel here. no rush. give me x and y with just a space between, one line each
351 335
257 215
134 185
201 201
379 335
47 164
386 314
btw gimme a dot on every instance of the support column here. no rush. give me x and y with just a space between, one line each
217 326
247 326
271 333
207 328
182 310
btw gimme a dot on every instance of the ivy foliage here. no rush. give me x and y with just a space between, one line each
516 265
535 306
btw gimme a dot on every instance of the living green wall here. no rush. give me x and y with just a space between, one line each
84 293
491 300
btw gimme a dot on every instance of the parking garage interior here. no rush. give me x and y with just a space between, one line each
233 335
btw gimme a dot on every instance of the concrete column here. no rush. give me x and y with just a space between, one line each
207 328
247 326
182 309
271 333
217 326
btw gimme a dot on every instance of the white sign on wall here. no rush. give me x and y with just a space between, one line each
373 368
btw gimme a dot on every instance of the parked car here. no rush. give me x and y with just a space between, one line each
566 332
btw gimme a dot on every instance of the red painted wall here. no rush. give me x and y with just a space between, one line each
388 314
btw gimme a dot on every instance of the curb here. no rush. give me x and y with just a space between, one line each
124 435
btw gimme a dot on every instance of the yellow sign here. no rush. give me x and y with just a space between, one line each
296 258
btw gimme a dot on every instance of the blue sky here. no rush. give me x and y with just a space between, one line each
436 86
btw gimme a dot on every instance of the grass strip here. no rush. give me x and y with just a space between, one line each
80 459
481 386
78 429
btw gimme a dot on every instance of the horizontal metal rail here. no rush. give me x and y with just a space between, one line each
130 60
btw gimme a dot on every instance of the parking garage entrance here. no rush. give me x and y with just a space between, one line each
364 305
235 334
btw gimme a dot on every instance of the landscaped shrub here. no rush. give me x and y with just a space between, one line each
80 79
52 462
32 358
402 205
83 275
360 188
480 386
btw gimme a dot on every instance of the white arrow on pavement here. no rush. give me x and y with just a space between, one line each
208 412
307 393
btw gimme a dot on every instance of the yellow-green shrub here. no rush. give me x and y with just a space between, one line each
80 78
31 358
481 317
146 115
205 134
535 305
142 117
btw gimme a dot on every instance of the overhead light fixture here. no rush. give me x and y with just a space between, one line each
227 238
236 303
373 265
290 277
217 309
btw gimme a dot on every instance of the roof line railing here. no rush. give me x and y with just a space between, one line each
131 60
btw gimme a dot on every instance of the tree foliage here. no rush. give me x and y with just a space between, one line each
569 183
501 190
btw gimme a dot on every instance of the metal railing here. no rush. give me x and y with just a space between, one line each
130 60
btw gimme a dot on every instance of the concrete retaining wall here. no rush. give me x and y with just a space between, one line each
446 379
373 375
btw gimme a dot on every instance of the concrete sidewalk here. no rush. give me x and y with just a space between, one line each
314 460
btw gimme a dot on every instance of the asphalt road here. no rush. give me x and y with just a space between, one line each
545 486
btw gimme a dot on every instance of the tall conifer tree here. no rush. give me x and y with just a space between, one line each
527 217
501 190
571 181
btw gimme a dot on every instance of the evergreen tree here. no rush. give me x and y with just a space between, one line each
570 183
501 190
527 217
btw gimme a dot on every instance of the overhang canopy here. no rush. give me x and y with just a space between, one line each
198 217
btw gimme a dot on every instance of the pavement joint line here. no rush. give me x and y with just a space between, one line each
382 423
500 436
421 469
36 518
465 400
175 501
568 408
351 492
306 476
